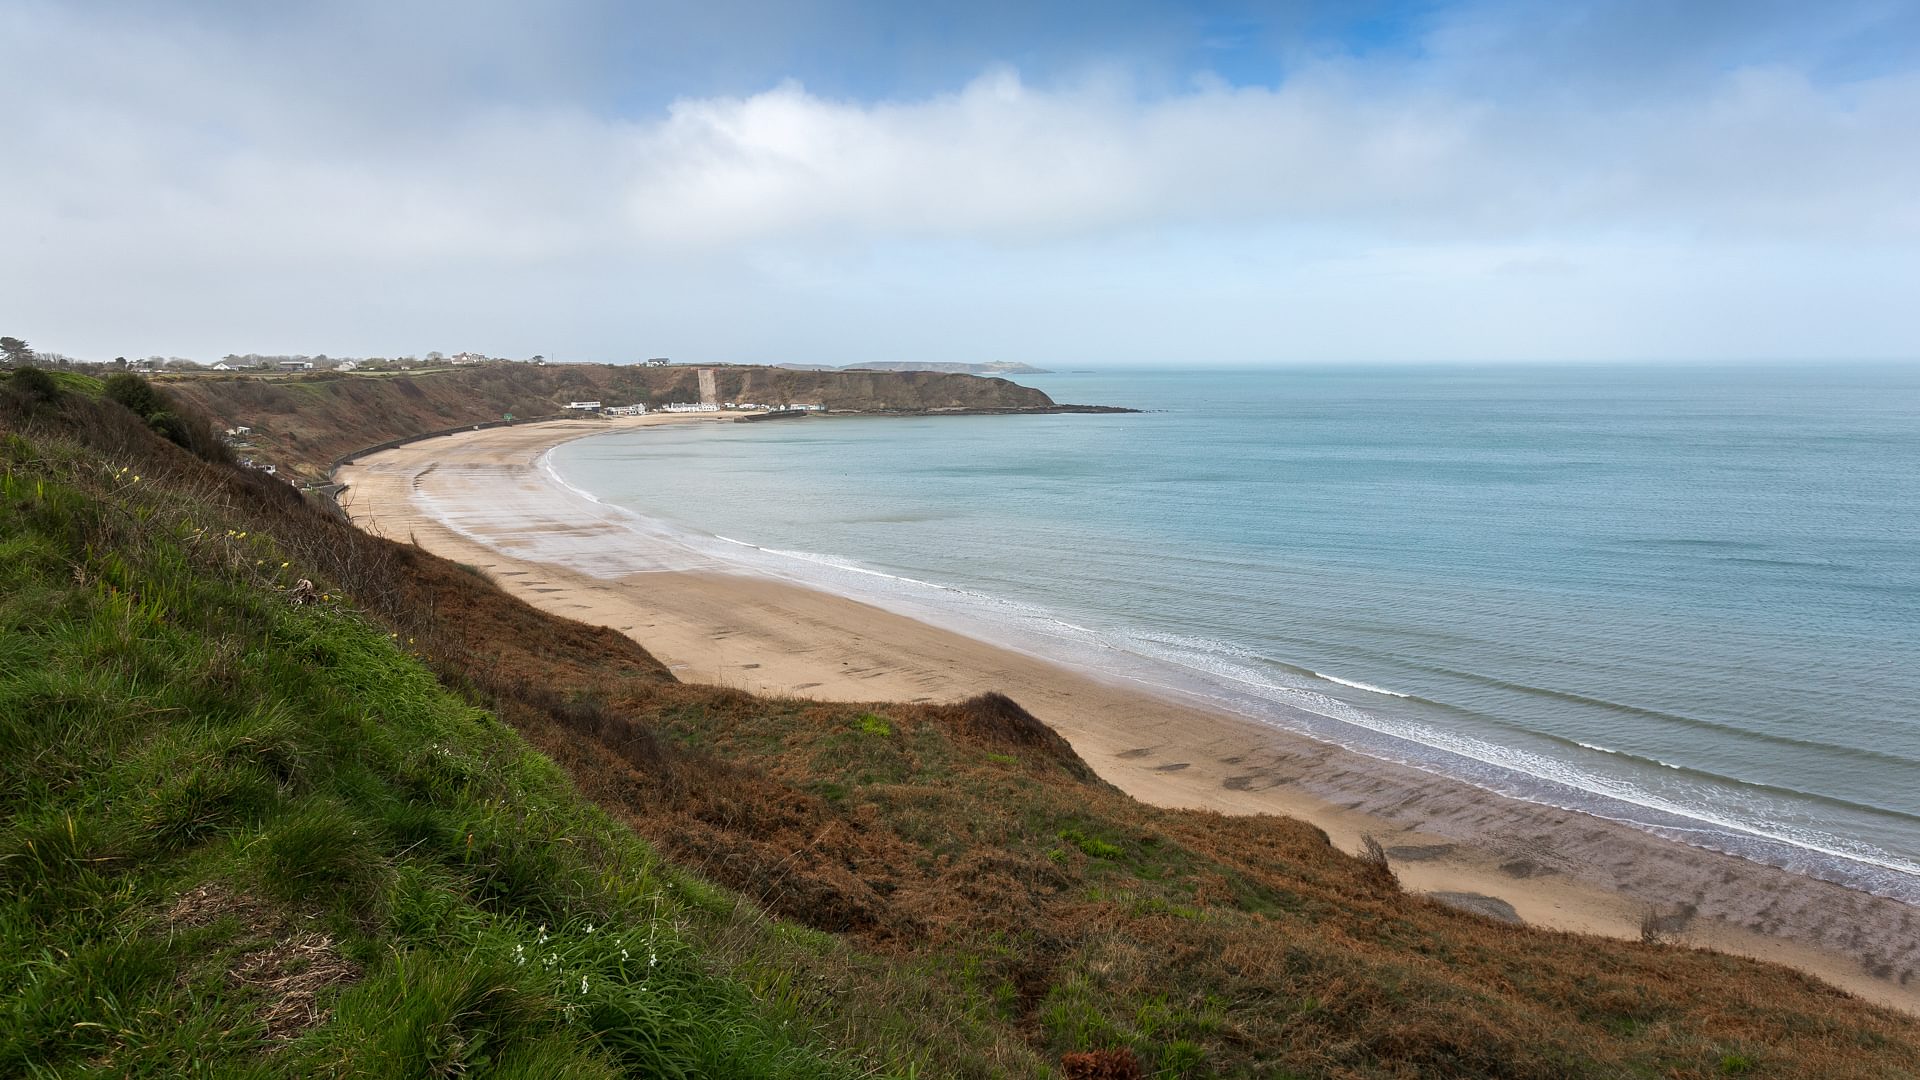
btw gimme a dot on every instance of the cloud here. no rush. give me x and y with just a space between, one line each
1762 154
358 173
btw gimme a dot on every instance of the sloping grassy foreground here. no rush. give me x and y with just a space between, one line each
248 836
245 836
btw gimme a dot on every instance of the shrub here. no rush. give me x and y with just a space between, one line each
134 392
34 385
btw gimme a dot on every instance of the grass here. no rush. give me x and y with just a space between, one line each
172 728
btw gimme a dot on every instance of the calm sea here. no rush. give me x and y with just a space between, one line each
1687 599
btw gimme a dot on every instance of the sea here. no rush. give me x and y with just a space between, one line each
1683 598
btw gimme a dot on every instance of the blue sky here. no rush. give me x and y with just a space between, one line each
1071 184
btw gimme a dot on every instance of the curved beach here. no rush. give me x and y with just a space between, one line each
482 498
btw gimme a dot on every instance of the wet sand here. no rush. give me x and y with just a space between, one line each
481 498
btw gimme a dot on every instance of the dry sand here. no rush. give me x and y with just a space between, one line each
480 498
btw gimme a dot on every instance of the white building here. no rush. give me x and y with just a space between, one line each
584 406
625 410
685 406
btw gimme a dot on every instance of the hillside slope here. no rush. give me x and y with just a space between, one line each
245 835
300 422
952 890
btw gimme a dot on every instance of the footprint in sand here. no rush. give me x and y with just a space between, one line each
1419 852
1137 752
1524 868
1172 767
1255 781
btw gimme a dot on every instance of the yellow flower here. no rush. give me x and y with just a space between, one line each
283 566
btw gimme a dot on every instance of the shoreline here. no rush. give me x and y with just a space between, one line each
482 498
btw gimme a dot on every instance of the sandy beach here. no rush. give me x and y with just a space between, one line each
480 498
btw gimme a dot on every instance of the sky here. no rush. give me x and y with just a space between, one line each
1065 184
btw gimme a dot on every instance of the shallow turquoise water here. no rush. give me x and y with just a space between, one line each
1687 599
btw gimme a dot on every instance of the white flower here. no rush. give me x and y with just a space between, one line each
583 984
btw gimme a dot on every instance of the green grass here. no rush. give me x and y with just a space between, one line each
210 794
1092 846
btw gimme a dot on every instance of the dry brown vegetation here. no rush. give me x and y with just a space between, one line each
965 846
284 966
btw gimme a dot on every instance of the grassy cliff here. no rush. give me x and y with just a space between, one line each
414 827
251 836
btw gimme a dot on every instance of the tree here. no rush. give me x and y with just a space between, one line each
17 351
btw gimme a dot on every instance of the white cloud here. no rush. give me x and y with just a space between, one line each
1764 154
158 172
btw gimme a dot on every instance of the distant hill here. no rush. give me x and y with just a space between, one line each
302 422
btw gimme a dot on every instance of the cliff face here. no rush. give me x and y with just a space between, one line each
303 422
